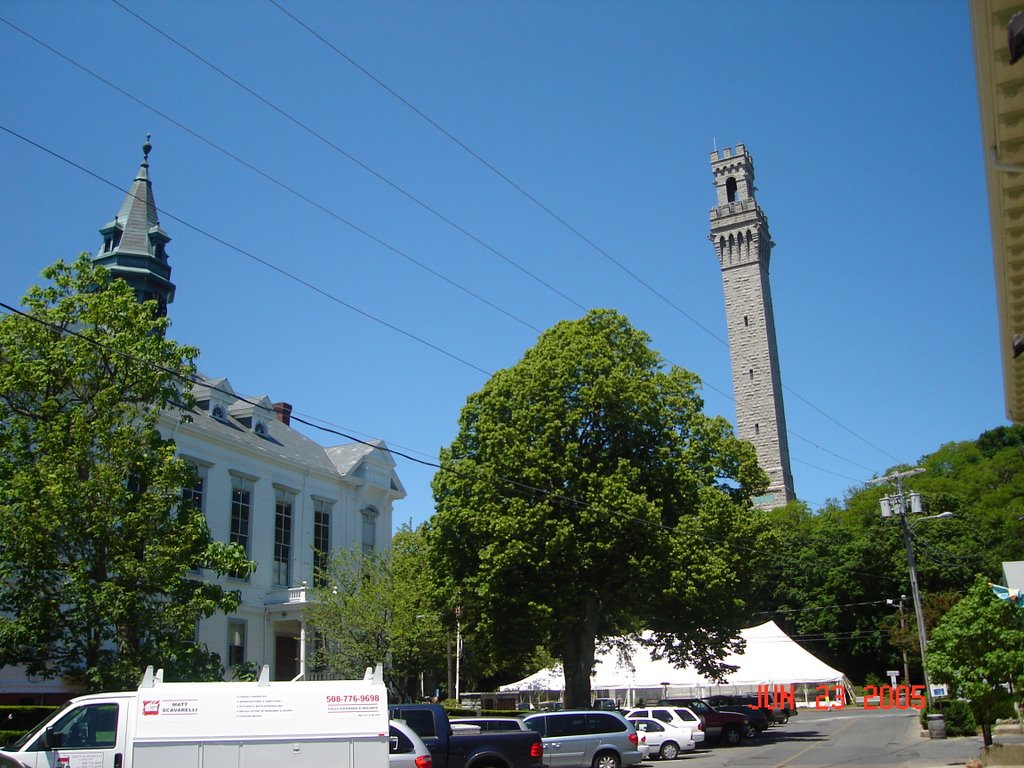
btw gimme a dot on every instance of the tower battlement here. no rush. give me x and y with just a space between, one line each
728 152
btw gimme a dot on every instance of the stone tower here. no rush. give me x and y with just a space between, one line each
739 232
134 246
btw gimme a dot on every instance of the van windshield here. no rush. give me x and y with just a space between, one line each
46 718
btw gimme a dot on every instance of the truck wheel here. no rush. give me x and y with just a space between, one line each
751 731
606 760
669 751
732 736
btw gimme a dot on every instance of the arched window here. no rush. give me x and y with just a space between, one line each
730 189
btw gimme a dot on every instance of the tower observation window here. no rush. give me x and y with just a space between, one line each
730 189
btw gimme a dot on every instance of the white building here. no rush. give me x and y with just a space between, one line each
287 500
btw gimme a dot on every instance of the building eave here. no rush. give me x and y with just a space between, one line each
1001 106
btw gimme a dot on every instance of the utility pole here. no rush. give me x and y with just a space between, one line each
897 505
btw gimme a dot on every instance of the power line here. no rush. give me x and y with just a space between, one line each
457 226
320 137
268 264
820 607
357 228
302 196
518 485
546 209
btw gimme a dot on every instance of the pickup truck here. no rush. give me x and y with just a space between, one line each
727 727
479 749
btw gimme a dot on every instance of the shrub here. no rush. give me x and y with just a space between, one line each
957 714
1004 710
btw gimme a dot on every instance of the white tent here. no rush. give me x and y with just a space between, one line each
770 658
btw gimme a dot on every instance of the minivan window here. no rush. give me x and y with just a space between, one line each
569 725
601 723
537 724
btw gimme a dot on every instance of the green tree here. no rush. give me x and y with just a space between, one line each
95 548
377 608
977 649
587 497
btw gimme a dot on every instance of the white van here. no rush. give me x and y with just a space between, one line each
327 724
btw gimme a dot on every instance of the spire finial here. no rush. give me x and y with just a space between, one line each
146 149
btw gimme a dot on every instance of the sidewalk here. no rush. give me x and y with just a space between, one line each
1007 749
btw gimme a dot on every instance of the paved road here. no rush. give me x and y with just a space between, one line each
843 739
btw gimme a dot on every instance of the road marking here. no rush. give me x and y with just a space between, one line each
816 744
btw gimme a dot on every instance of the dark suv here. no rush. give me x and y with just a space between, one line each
777 713
727 727
757 719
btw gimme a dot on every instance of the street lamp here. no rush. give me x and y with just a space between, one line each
903 626
896 505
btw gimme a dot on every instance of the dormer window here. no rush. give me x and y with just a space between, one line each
219 413
112 240
260 428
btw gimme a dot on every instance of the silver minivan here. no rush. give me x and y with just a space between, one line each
585 739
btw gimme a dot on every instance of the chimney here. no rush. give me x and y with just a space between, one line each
284 413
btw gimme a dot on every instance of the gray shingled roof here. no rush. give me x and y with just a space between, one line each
281 439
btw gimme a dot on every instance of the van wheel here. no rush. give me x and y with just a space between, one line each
732 736
606 760
669 751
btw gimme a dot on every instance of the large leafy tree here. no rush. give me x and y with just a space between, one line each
97 555
374 608
978 649
586 497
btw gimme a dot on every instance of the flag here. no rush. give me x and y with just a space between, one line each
1014 596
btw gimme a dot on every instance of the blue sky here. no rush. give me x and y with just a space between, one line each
861 118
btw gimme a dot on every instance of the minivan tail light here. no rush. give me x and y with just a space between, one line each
633 739
424 761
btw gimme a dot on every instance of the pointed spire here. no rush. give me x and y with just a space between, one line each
134 244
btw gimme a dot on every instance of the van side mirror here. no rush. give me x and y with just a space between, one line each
53 739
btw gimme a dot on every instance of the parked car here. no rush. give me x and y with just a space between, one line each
451 747
664 740
586 739
609 705
642 746
682 717
777 714
757 721
407 749
727 727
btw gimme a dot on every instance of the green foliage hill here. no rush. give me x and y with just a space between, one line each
837 569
